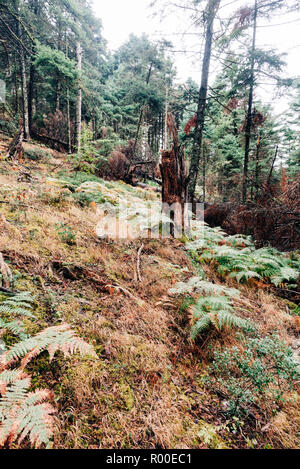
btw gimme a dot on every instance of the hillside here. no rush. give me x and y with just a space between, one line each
153 384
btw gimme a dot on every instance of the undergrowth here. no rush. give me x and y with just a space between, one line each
254 373
27 414
236 257
262 371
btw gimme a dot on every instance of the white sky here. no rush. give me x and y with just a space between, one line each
122 17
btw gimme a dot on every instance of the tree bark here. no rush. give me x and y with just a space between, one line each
174 176
211 12
166 120
16 83
15 150
58 95
272 166
141 112
69 123
24 89
79 98
31 94
257 167
31 103
249 111
204 171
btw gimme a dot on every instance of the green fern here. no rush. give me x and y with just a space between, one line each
219 320
244 275
237 257
214 288
285 274
202 325
215 311
190 286
211 303
16 327
197 285
53 339
226 319
18 305
23 413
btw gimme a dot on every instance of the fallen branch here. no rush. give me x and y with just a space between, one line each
127 292
8 292
138 266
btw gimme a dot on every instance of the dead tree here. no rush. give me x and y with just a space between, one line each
16 150
175 179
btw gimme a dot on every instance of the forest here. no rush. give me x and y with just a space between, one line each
149 231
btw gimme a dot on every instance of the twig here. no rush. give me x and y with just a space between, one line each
127 292
17 204
8 292
138 265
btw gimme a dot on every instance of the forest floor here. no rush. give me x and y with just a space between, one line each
146 390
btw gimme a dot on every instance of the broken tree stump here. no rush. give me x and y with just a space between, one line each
16 150
175 179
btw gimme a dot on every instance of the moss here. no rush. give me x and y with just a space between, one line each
127 395
208 434
36 154
293 308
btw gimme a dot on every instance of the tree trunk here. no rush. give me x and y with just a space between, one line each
249 111
79 98
204 172
31 94
68 101
69 123
166 120
16 83
211 12
58 95
272 166
141 113
15 150
24 89
257 168
31 103
174 177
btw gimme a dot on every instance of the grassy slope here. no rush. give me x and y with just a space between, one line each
146 390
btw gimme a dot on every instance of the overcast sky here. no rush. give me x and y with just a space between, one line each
122 17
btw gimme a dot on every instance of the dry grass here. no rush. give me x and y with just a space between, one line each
145 390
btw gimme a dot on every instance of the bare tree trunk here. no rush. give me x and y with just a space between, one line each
16 87
58 95
69 123
31 103
204 172
79 98
272 166
24 90
68 101
249 112
211 12
166 120
174 175
257 167
31 95
141 113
